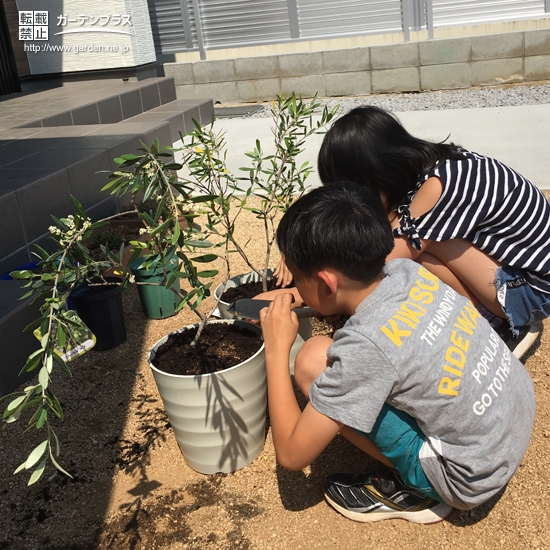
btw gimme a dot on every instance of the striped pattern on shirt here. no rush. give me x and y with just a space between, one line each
495 208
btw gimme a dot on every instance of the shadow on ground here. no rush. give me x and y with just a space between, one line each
95 401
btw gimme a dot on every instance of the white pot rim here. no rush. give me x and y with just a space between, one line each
188 327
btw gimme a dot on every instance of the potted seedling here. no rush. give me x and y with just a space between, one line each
275 180
217 410
233 439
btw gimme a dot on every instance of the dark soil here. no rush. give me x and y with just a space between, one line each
220 346
248 290
112 237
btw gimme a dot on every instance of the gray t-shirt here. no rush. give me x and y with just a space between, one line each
417 345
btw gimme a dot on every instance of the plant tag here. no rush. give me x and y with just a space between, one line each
84 340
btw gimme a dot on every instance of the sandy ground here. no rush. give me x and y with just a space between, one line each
133 490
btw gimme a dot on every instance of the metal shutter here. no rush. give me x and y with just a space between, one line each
448 13
229 23
347 17
167 26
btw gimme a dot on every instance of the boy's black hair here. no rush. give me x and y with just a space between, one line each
370 147
343 227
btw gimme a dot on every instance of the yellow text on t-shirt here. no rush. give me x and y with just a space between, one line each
407 317
455 356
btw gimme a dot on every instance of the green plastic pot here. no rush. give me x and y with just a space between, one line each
157 301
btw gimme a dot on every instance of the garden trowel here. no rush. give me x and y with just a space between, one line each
250 309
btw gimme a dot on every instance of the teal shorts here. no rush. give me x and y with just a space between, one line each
399 439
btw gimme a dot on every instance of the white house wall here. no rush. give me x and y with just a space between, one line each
87 49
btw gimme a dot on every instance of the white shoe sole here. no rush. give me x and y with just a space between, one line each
431 515
528 340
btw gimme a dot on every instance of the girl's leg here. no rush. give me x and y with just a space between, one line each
467 269
445 274
310 362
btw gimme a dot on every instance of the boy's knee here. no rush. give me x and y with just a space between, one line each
311 361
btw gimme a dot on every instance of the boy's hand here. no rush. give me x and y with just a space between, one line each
282 273
279 324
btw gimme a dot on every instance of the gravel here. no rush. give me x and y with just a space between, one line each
501 96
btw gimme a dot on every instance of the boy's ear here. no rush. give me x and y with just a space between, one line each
330 279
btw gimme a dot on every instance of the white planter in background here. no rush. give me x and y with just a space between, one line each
304 330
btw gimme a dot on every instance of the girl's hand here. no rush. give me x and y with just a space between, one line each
282 273
271 294
279 325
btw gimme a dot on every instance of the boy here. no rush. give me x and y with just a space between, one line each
416 378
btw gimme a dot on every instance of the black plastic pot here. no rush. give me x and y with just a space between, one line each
100 307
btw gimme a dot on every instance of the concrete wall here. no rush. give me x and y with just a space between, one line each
408 67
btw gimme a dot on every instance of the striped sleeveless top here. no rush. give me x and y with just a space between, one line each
493 207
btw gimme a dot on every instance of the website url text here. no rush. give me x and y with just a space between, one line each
36 48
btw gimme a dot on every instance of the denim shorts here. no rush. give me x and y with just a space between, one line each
522 304
399 439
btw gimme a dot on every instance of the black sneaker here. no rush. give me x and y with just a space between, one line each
521 343
382 495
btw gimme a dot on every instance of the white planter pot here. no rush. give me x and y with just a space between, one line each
304 329
219 419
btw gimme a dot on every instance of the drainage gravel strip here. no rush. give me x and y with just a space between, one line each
468 98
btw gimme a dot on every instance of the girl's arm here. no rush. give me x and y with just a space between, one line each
424 200
298 436
271 294
404 249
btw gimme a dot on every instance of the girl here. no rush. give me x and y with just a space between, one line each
477 224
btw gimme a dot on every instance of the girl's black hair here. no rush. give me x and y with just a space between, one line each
343 227
370 147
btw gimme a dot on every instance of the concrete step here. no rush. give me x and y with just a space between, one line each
62 142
